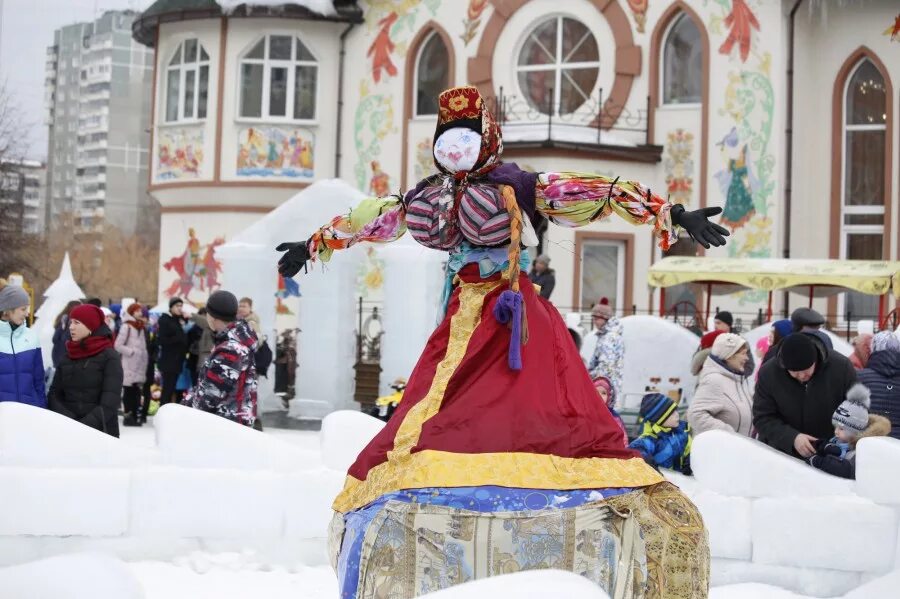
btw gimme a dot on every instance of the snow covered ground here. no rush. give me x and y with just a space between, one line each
156 526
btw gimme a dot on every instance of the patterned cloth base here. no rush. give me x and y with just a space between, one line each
635 544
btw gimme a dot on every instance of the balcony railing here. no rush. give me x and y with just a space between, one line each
596 122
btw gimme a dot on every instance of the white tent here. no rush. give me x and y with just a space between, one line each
63 290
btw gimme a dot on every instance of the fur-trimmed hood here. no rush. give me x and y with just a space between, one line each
879 426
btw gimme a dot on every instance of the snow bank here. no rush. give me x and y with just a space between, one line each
876 469
732 464
728 521
215 504
308 497
322 7
886 586
531 584
344 435
752 591
807 581
192 438
31 436
71 577
45 501
837 533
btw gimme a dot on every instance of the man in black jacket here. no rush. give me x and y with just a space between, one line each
798 391
173 345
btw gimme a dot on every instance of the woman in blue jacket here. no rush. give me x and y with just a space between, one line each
21 364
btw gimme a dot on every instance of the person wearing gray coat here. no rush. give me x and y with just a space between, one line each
131 343
724 397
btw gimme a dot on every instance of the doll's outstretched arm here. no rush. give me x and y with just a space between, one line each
379 220
577 199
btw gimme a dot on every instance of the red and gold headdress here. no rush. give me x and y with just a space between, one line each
464 107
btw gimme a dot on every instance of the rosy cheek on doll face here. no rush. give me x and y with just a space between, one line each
457 149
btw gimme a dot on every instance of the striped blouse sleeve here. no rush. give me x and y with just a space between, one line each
576 199
378 220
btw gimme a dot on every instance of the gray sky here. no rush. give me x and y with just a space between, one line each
26 30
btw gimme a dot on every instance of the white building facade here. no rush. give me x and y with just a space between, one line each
690 97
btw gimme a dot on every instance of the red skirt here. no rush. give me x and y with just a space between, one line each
467 419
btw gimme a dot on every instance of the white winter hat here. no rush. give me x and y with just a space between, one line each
726 345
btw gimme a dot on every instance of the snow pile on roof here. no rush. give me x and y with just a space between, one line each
322 7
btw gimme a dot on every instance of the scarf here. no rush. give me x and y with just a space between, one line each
91 346
138 324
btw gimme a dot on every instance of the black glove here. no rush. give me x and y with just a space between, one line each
296 257
696 223
831 449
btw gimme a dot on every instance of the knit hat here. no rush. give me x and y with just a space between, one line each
602 307
656 408
543 258
853 413
886 340
175 301
783 327
222 305
134 309
806 317
798 352
725 317
12 297
726 345
602 381
707 340
89 315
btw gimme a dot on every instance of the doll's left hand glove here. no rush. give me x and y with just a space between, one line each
696 223
295 258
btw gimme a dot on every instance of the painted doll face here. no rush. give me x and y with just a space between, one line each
457 149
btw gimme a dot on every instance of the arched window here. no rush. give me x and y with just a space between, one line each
682 63
863 195
187 82
432 74
558 66
278 80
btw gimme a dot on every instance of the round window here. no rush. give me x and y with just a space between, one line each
558 66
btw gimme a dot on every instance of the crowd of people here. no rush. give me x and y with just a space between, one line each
805 399
107 360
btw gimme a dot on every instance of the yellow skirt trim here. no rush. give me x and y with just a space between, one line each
432 468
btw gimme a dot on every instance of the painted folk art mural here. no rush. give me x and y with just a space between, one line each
196 268
679 166
179 153
745 176
276 152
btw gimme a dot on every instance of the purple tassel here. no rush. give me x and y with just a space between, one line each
509 306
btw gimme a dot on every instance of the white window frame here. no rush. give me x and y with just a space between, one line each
418 61
268 64
622 247
183 69
558 66
661 69
847 230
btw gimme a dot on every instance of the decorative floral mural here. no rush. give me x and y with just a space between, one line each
746 175
276 152
380 183
179 153
424 164
473 20
196 268
679 165
639 12
894 30
370 277
374 119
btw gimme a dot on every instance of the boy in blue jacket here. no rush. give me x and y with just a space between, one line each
665 441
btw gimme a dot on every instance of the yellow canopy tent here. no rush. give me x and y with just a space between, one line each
820 277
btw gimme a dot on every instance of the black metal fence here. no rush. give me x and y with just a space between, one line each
594 114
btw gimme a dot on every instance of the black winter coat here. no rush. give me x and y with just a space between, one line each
784 408
546 279
89 390
173 343
882 377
